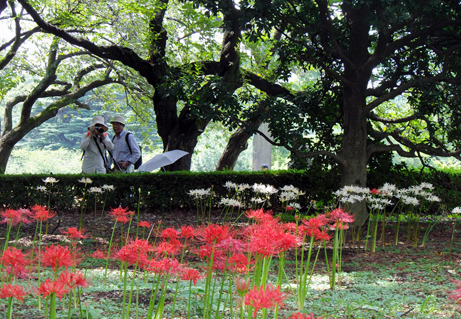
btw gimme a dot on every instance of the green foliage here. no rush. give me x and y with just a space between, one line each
165 190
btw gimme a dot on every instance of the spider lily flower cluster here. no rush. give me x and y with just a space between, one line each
237 256
236 259
245 196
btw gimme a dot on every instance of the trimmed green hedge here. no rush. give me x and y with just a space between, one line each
168 190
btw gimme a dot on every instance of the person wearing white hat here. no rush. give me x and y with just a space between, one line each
94 144
126 150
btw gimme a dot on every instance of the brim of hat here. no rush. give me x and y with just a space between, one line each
112 122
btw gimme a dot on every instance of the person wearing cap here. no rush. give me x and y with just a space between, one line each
94 144
123 154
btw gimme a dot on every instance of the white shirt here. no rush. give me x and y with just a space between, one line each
121 152
92 160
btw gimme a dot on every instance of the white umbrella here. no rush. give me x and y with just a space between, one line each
161 160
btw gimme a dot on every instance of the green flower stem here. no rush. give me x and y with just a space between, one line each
139 201
177 282
368 230
303 273
83 208
8 230
155 284
39 257
397 231
375 233
161 303
124 287
335 257
326 259
69 305
223 280
131 290
108 252
17 235
208 282
53 306
9 312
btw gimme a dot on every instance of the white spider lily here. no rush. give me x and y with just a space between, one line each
197 193
85 180
108 187
41 188
230 202
50 180
96 190
264 189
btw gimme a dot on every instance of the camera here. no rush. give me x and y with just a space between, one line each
100 129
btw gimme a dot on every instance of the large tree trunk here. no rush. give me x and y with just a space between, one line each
181 132
5 153
354 140
184 137
237 143
353 168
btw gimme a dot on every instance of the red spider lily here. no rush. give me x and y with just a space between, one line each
270 239
287 241
187 232
41 213
9 215
172 266
191 274
299 315
57 257
169 233
287 208
238 263
74 233
140 246
155 266
19 271
134 252
15 217
242 285
261 297
375 191
162 266
122 219
314 227
340 218
205 251
259 215
14 291
456 294
144 224
213 234
233 245
129 255
73 279
168 249
121 214
322 235
291 227
53 287
316 222
98 255
14 257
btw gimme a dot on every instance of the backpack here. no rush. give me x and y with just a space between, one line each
139 161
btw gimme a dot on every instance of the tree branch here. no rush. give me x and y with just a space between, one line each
125 55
